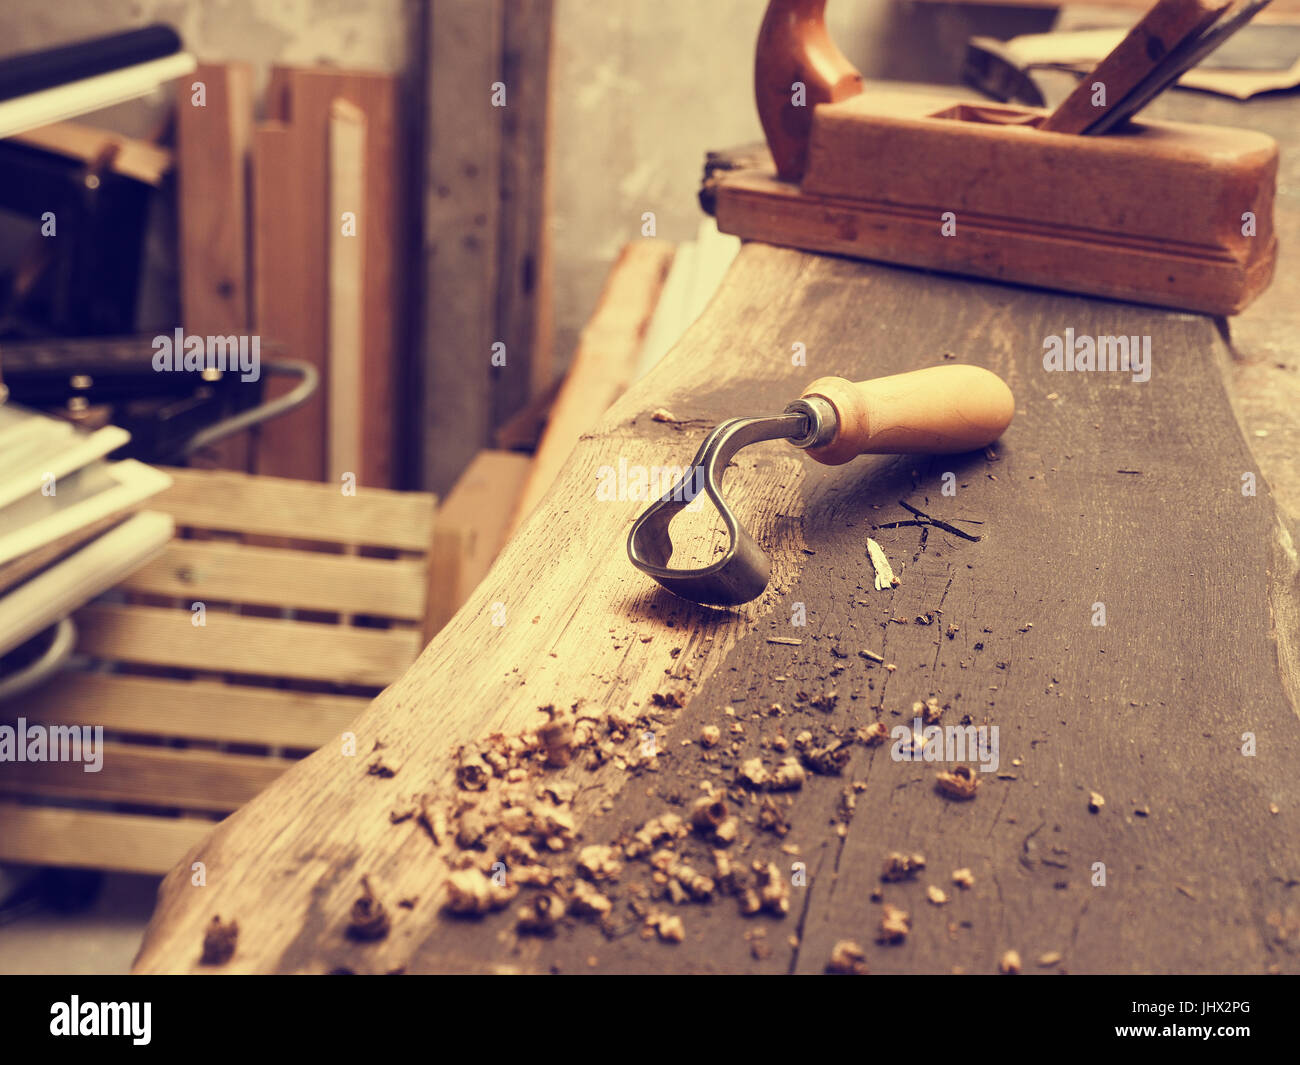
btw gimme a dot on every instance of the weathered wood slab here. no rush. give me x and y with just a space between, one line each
1198 584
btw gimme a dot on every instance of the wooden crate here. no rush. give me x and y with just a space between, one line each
313 601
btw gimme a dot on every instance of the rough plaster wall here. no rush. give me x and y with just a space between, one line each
641 91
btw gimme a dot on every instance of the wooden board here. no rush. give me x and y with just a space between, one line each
214 145
235 644
282 507
284 578
347 147
291 240
1150 710
39 835
194 710
462 214
472 526
486 245
605 362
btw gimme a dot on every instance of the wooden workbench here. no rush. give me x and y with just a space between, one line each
1103 491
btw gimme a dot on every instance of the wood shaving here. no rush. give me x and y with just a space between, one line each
472 772
598 862
884 572
1052 957
773 891
847 958
874 734
556 737
708 813
963 878
1095 801
771 819
383 766
367 920
789 641
788 776
662 415
219 942
541 914
1010 962
753 774
961 784
901 867
586 900
871 656
668 927
471 892
895 924
936 895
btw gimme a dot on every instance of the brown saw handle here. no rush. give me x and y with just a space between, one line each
938 410
795 47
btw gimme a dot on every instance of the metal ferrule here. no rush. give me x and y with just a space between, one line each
823 422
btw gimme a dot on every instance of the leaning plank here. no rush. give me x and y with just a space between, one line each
214 140
604 363
195 710
1149 709
347 263
232 643
127 843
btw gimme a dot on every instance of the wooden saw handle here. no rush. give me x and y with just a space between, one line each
938 410
795 47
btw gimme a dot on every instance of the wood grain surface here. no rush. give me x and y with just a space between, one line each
1103 491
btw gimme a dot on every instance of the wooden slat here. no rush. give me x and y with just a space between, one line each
200 710
150 776
462 209
473 524
306 580
213 143
604 363
131 158
292 237
347 147
128 843
272 506
231 643
525 294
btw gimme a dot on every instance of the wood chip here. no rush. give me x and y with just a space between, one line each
847 958
1010 962
1095 801
789 641
662 415
963 878
901 866
936 895
1052 957
895 923
961 784
219 941
884 572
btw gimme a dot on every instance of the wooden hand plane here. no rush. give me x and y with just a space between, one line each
1165 213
